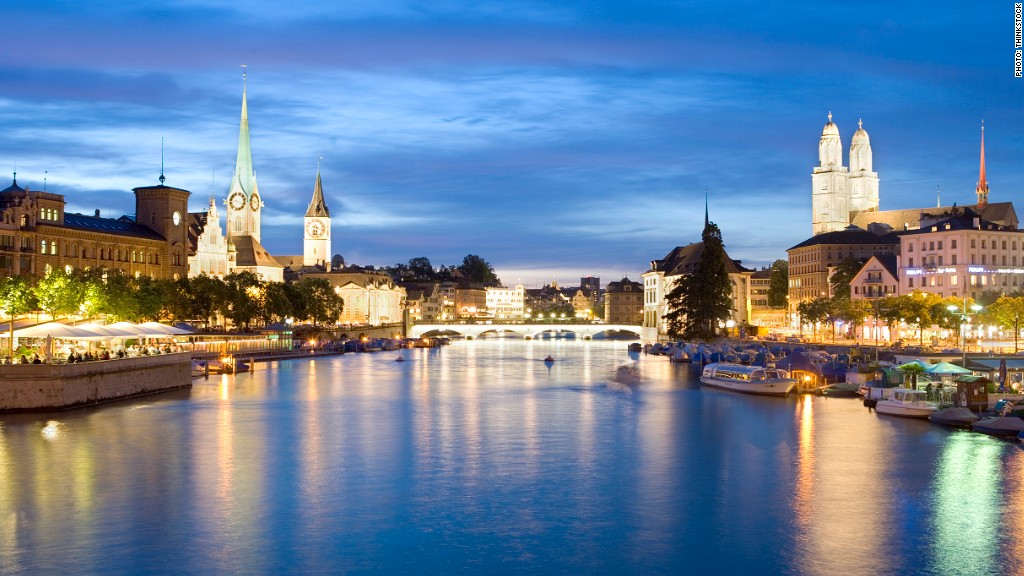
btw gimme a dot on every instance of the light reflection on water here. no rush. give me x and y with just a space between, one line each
479 457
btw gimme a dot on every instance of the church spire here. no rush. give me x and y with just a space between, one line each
706 220
982 189
245 176
317 206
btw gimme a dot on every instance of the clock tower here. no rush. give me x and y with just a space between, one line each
244 204
316 245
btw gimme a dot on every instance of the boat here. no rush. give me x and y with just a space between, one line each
907 402
842 389
748 379
635 347
1009 423
956 417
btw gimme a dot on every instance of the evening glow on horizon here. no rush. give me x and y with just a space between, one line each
555 140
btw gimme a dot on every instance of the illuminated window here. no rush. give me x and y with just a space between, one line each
42 246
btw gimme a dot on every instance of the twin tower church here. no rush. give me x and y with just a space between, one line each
238 248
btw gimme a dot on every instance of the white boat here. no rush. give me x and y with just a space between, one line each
748 379
907 402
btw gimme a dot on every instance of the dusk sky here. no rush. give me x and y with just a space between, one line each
555 140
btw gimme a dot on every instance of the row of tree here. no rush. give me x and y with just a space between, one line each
242 298
473 269
920 309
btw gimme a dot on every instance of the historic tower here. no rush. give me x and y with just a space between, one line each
982 188
316 246
244 205
863 181
830 207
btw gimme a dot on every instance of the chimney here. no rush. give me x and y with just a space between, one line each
97 212
977 222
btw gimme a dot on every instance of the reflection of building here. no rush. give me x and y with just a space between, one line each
506 303
37 235
624 302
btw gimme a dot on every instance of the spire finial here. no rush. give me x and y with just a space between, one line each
243 72
45 172
706 220
938 196
860 123
829 116
162 161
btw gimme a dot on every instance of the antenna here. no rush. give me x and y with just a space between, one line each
162 161
45 172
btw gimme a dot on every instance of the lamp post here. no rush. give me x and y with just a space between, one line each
965 316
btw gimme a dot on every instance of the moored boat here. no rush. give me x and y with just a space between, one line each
907 402
956 417
748 379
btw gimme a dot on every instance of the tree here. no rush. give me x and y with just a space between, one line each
421 269
1008 312
701 299
813 312
843 274
241 303
59 294
477 270
16 299
318 301
778 285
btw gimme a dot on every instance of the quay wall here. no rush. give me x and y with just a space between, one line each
38 387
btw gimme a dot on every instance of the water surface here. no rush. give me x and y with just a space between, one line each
479 457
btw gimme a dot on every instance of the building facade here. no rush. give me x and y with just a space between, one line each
506 303
624 302
370 297
316 244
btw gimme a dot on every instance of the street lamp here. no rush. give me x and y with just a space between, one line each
965 316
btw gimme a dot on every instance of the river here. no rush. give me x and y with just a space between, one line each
481 458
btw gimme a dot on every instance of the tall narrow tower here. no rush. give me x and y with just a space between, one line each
982 189
863 181
829 201
244 205
316 246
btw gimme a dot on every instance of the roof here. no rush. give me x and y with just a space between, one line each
1001 213
963 221
249 252
852 235
196 225
317 206
14 187
120 226
683 260
888 261
615 287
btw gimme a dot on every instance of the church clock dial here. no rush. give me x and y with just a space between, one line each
176 218
315 229
237 201
254 202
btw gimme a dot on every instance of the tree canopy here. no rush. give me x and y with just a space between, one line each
778 285
698 301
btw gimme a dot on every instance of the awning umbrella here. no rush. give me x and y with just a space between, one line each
133 329
946 368
108 331
918 362
164 329
55 330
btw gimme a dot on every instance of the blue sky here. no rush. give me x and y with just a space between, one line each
554 139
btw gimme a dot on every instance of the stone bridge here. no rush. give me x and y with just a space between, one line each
528 331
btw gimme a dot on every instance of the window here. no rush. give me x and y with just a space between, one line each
972 243
982 244
910 246
931 245
952 243
42 247
983 259
911 284
953 259
910 263
953 280
940 244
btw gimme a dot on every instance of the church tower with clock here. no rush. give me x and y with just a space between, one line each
316 245
244 205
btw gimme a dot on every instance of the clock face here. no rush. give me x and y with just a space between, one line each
176 218
315 229
254 202
237 201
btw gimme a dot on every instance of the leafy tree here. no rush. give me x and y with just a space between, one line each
813 312
1008 312
477 270
274 303
699 300
150 296
59 294
421 269
778 285
241 303
207 295
843 274
318 301
16 299
852 312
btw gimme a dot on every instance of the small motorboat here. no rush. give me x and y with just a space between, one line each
957 417
907 402
400 359
1000 426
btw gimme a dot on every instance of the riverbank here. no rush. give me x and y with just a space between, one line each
44 387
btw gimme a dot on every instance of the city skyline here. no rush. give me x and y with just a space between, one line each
554 141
